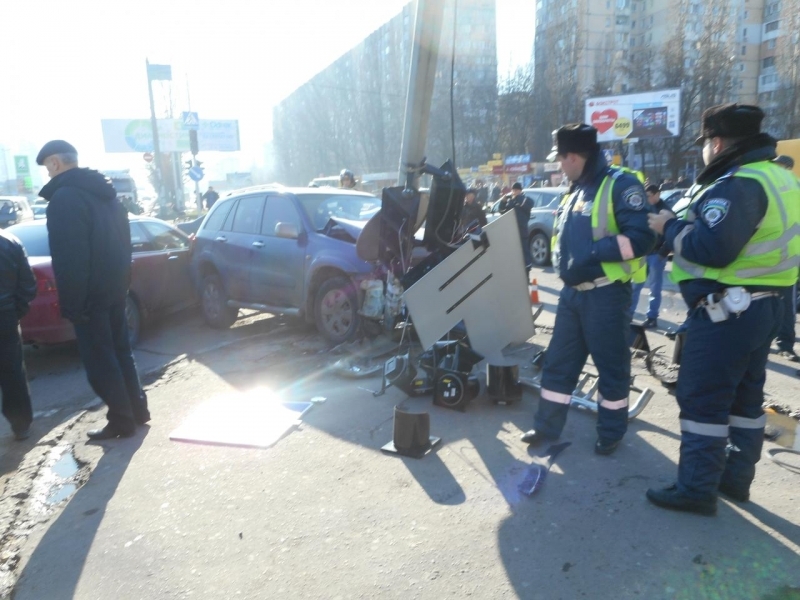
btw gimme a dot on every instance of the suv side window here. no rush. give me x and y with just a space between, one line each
248 214
280 209
219 211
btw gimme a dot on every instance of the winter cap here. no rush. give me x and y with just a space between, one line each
730 121
574 137
787 162
472 190
517 186
54 147
652 188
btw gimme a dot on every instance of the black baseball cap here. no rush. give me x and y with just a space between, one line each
54 147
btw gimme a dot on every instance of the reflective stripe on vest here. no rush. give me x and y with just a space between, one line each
604 224
772 255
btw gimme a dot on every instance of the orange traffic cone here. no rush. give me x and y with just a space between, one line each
533 288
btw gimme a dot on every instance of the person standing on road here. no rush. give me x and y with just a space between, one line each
90 245
734 253
786 333
522 206
17 290
472 211
601 238
481 193
656 262
347 179
211 196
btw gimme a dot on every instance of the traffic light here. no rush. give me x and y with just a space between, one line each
193 142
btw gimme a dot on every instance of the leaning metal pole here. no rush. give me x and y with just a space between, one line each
421 76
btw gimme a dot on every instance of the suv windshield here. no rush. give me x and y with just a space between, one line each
321 207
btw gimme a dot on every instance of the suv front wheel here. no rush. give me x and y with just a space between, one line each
214 301
336 310
540 250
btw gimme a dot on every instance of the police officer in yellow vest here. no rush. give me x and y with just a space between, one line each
737 247
600 243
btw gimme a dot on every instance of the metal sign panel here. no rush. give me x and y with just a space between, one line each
136 135
483 286
642 116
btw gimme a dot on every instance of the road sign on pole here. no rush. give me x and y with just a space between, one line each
196 173
190 120
148 157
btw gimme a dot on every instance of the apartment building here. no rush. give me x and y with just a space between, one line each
351 113
619 46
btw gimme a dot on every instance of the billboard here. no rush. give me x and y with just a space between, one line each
136 135
635 116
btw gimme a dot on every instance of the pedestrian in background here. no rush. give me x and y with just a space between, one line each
90 245
472 213
347 179
481 193
786 334
601 239
521 205
734 254
17 290
210 197
656 262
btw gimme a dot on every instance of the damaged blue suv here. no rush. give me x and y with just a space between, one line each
284 251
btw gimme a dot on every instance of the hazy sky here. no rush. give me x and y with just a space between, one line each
68 64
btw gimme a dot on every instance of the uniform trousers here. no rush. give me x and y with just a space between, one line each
13 378
593 322
720 392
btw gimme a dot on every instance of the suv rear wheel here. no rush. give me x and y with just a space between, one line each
214 301
336 310
540 250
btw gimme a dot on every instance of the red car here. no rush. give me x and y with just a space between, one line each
160 280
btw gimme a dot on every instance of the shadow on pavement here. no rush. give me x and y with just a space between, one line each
54 569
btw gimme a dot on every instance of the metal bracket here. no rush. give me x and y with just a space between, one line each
585 400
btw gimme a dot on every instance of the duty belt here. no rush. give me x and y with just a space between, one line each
590 285
753 296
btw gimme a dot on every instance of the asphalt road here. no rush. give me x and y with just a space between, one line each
324 514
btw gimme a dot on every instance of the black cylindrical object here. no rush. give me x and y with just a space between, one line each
502 383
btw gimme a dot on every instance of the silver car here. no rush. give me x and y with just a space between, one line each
540 226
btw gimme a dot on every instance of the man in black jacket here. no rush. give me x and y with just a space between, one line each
17 289
90 244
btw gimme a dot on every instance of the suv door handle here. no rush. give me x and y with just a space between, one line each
258 244
173 257
221 238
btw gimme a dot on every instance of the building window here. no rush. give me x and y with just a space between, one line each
768 62
771 45
744 50
773 26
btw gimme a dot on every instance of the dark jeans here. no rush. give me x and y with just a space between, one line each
786 333
107 357
14 380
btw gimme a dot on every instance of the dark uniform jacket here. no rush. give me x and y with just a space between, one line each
719 236
521 205
17 283
90 242
472 212
578 256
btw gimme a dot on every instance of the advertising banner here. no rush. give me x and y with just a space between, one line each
635 116
136 135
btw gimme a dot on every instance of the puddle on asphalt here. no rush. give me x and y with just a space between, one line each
56 482
62 493
66 466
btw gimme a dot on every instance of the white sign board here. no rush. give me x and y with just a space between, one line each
484 287
643 116
136 135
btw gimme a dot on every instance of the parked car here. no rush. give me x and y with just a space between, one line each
285 251
540 226
39 211
671 197
160 279
14 209
190 227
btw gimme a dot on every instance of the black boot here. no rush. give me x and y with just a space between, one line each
675 500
